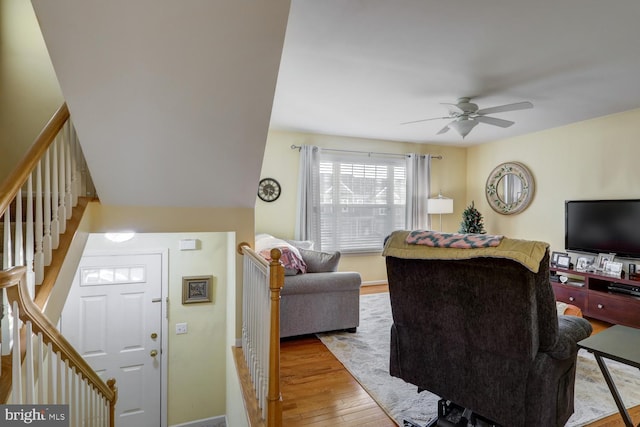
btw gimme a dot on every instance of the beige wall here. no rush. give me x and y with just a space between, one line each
29 90
281 162
200 362
592 159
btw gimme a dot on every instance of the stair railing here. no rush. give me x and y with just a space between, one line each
36 200
262 282
38 364
64 378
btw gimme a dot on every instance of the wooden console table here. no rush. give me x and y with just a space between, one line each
590 292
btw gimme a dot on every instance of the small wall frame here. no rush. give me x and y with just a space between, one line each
196 289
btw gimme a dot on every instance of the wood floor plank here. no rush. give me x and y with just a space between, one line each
318 391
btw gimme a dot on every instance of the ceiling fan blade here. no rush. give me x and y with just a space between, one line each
507 107
425 120
493 121
443 130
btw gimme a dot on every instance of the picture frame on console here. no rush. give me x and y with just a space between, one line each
563 261
612 268
584 263
554 257
602 259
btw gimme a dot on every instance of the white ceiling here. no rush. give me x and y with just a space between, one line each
172 99
362 67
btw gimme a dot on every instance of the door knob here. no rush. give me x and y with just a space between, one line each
600 306
153 353
154 336
571 299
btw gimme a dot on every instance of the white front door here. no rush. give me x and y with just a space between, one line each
113 317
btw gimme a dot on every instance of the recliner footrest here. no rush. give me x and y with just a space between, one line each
453 415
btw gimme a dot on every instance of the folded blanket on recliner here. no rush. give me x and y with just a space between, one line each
452 240
529 253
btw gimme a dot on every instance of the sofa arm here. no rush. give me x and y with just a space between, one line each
571 329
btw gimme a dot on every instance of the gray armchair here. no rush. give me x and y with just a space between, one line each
480 330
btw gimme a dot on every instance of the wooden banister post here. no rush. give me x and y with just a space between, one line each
111 383
274 399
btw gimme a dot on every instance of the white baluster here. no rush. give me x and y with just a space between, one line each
41 398
46 236
75 401
67 385
103 411
16 360
6 325
99 406
68 196
30 396
59 378
73 144
38 257
85 402
55 208
51 397
18 242
62 174
5 322
92 407
29 242
7 245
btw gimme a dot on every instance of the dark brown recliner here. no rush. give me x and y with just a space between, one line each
482 333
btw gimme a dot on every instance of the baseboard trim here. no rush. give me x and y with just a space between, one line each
220 421
374 282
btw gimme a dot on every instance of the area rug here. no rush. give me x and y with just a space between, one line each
366 355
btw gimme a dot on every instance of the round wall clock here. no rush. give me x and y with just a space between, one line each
268 189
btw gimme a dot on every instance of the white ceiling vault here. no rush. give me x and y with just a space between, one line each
362 67
172 100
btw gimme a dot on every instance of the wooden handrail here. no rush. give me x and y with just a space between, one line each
14 280
18 177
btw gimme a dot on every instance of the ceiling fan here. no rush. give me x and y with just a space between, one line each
466 115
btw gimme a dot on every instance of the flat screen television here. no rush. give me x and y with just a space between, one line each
603 226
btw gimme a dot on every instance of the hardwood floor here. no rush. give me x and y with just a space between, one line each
318 391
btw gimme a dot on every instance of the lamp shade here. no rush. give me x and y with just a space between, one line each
440 206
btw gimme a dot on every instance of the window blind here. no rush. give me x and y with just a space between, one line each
362 200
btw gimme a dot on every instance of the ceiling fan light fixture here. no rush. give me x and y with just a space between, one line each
463 126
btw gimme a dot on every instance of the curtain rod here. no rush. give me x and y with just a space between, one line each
298 147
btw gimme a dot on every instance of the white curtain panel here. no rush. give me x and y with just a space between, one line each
308 212
418 190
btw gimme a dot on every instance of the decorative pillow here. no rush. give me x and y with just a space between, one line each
302 244
290 259
320 262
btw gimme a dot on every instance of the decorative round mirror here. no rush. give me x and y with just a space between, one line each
509 188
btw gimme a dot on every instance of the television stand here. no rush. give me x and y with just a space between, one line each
611 299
